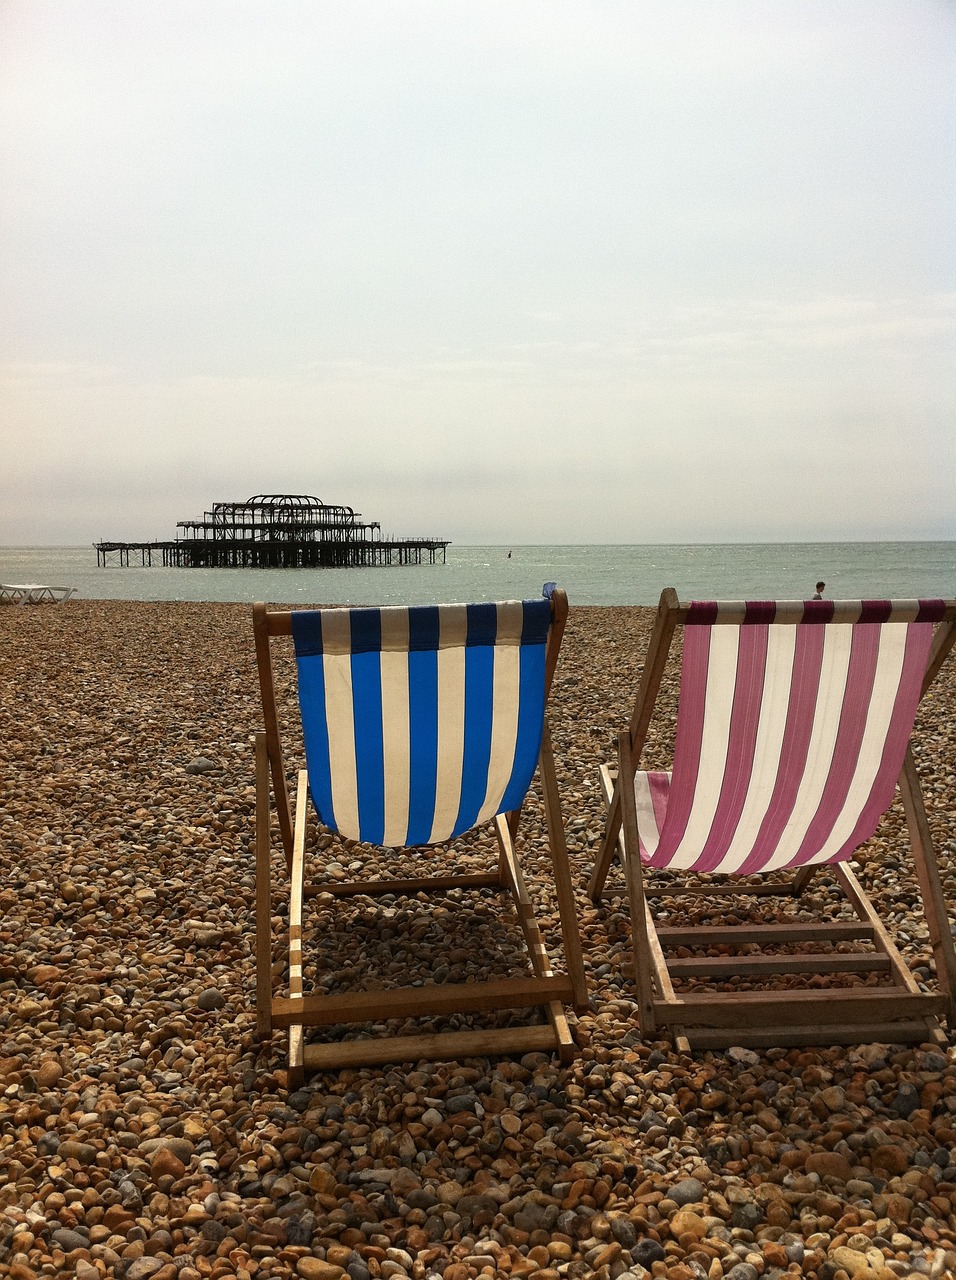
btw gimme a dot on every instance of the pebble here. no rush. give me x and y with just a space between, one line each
152 1136
687 1191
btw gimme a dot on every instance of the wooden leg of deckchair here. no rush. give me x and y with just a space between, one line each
658 961
802 879
557 844
634 874
540 962
609 844
650 682
931 888
882 939
881 936
296 896
263 891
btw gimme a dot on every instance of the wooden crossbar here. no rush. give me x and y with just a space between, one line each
433 999
798 1008
424 884
774 889
753 966
745 935
905 1031
446 1046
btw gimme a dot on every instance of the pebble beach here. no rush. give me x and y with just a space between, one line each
146 1133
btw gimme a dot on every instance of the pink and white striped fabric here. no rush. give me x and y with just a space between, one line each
792 726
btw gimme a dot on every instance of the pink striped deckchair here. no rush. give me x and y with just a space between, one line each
419 725
793 729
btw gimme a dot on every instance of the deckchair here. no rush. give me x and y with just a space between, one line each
793 727
420 724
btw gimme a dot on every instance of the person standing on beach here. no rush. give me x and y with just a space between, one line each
818 594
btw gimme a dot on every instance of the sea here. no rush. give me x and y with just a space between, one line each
591 575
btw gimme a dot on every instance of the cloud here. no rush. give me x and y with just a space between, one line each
540 271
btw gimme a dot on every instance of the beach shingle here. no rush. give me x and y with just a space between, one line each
151 1134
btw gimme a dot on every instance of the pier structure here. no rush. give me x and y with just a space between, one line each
276 531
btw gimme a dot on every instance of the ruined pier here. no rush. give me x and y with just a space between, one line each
276 531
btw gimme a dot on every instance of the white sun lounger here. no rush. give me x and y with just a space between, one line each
32 593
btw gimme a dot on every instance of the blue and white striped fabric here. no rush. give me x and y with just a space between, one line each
421 722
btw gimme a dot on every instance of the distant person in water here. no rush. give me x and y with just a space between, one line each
818 594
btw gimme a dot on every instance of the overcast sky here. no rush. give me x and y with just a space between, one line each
498 271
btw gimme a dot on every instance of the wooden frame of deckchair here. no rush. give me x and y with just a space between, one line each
897 1013
298 1010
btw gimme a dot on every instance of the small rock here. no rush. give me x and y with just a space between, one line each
201 765
624 1232
81 1152
747 1216
744 1057
854 1263
211 998
829 1164
932 1061
688 1223
70 1240
687 1191
166 1163
907 1101
143 1268
531 1217
648 1251
318 1269
833 1098
182 1148
462 1102
890 1161
321 1181
48 1073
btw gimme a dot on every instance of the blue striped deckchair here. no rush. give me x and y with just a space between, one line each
793 729
419 724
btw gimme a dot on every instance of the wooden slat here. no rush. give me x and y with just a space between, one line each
642 926
611 843
263 890
424 884
881 936
557 845
905 1032
928 877
658 960
742 966
559 620
943 641
829 1007
451 1046
779 889
296 902
744 935
279 622
540 961
262 629
652 674
434 999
